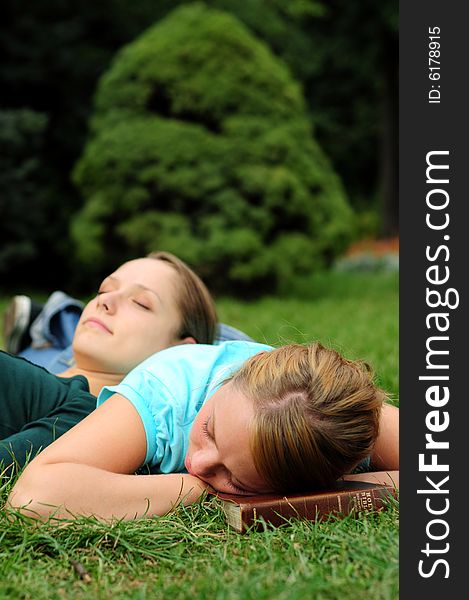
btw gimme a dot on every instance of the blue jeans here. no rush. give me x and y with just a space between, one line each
53 330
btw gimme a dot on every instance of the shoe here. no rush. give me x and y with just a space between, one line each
18 318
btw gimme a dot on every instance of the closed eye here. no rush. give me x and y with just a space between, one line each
141 305
205 430
236 489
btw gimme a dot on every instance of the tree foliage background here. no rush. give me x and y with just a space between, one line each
343 55
216 164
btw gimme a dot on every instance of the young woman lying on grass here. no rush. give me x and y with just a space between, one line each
239 417
145 306
45 333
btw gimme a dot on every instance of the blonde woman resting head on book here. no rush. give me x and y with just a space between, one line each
239 417
313 409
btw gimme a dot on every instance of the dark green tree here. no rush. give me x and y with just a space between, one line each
343 53
23 199
200 144
346 56
352 94
53 53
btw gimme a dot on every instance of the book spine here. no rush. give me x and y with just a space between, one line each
313 509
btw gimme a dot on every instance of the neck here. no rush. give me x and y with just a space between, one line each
96 379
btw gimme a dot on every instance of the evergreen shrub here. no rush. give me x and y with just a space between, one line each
200 144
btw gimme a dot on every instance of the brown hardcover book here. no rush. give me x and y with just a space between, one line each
353 494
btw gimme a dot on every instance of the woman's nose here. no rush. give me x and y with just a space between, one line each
204 464
107 302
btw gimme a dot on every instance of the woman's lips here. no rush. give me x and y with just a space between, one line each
97 324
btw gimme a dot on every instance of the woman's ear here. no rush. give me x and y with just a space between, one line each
187 340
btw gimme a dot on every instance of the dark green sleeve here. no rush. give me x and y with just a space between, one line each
36 407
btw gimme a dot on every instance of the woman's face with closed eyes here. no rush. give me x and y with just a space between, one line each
219 444
133 316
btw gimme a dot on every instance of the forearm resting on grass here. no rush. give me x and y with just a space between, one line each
90 470
67 490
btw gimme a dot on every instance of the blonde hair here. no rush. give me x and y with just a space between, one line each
316 414
194 302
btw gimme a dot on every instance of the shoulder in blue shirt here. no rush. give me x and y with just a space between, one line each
169 388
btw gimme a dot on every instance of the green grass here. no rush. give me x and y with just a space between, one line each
356 314
191 553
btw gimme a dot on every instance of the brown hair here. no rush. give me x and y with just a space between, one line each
316 414
194 302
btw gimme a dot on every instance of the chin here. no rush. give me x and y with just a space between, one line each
94 361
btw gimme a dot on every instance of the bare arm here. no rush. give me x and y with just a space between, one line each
386 451
89 471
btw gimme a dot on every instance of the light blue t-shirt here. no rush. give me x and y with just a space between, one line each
169 388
